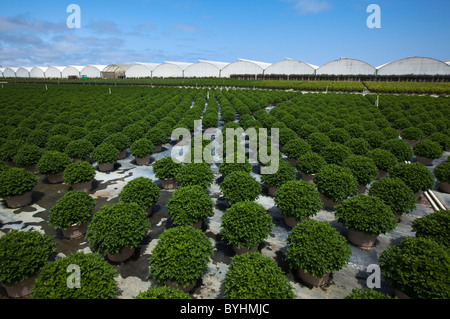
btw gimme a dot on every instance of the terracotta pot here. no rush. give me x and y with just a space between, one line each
82 187
312 280
169 183
107 167
19 200
382 174
56 178
291 221
21 289
272 191
244 250
445 187
123 255
401 295
361 239
425 160
361 188
328 203
122 155
411 142
293 162
308 178
180 287
158 148
143 161
75 231
198 225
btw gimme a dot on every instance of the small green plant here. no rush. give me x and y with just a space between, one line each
79 149
117 226
166 168
390 133
77 133
435 226
163 292
119 140
339 135
442 172
142 148
23 254
242 165
4 167
9 149
246 224
336 182
284 174
401 149
105 153
28 155
318 141
418 267
367 293
442 139
362 167
53 162
310 163
73 208
195 174
428 148
254 276
96 279
157 136
16 181
38 138
286 134
189 205
142 191
96 136
336 153
57 143
412 133
296 148
317 248
383 159
374 138
427 128
79 173
358 146
181 255
240 186
134 132
415 175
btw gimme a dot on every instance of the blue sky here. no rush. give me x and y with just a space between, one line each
314 31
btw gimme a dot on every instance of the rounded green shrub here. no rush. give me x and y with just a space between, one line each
142 191
336 182
362 167
77 133
105 153
336 153
286 134
367 293
96 137
53 162
428 148
358 146
195 174
318 141
38 138
383 159
166 168
296 148
157 136
28 155
310 163
306 130
435 226
134 132
73 208
390 133
80 149
242 165
412 133
240 186
285 173
163 292
9 149
415 175
374 138
119 140
401 149
57 143
442 139
339 135
79 173
427 128
442 172
142 148
16 181
4 167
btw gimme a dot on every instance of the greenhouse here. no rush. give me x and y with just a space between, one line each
10 72
141 70
54 72
205 69
72 71
345 66
93 71
245 67
23 72
115 71
38 72
290 67
170 69
1 71
415 66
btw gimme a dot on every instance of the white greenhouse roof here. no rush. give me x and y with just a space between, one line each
150 66
181 65
219 65
262 65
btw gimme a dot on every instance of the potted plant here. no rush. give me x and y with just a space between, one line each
245 225
316 249
442 139
16 185
242 165
363 168
442 174
384 161
416 176
142 191
339 135
298 201
399 148
335 183
142 150
366 293
38 137
166 169
79 176
309 164
96 137
134 132
254 276
117 230
72 213
96 278
417 268
295 148
195 174
274 181
180 265
22 255
358 146
57 143
9 149
374 138
190 205
163 292
427 150
336 153
4 166
53 164
365 217
318 141
28 156
240 186
105 155
396 194
434 226
158 137
79 150
412 135
120 141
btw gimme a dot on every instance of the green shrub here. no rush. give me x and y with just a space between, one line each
142 148
105 153
412 133
390 133
23 254
401 149
395 193
318 141
96 279
195 174
246 224
254 276
142 191
16 181
92 125
166 168
77 133
134 132
96 137
306 130
336 153
298 199
442 139
310 163
57 143
418 267
284 174
73 208
181 255
435 226
163 292
339 135
317 248
19 133
355 130
79 149
9 149
4 167
415 175
358 146
78 173
119 140
363 168
401 123
383 159
189 205
442 172
240 186
117 226
296 148
428 148
286 134
336 182
28 155
374 138
53 162
38 138
242 165
157 136
367 293
427 128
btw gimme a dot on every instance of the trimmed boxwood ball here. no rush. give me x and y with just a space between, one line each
442 172
142 191
418 267
254 276
142 148
23 254
317 248
390 133
134 132
374 138
336 153
412 133
366 293
181 255
189 205
76 133
73 208
336 182
284 174
286 134
318 141
296 148
117 226
383 159
166 168
298 199
362 167
246 224
79 149
157 136
96 279
96 137
9 149
358 146
163 292
105 153
310 163
306 130
240 186
401 149
243 165
427 128
19 133
195 174
395 193
119 140
16 181
4 166
429 149
79 173
53 162
442 139
415 175
28 155
435 226
339 135
368 214
57 143
38 137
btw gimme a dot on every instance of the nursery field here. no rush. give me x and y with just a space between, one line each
95 206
